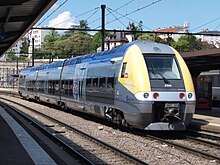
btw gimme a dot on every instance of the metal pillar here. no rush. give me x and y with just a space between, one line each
103 27
32 51
17 65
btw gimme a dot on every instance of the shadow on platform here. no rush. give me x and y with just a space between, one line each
214 112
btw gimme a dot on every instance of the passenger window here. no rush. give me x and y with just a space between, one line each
95 82
110 82
102 82
88 83
70 87
123 70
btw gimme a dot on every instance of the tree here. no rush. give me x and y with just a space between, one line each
97 41
187 44
75 45
134 28
49 42
83 24
11 56
151 37
24 47
40 53
140 26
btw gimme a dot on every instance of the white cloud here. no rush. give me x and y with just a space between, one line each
63 20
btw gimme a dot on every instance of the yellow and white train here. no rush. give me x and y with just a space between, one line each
143 84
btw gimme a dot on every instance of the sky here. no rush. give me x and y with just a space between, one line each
200 14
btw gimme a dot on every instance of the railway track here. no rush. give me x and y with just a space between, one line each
186 142
191 143
88 148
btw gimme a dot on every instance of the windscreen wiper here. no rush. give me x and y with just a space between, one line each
164 79
154 72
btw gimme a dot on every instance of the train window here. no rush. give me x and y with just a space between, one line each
110 82
162 67
123 69
66 85
88 82
95 83
70 88
102 82
56 85
78 60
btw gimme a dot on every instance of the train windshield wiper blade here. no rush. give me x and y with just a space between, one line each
164 79
154 72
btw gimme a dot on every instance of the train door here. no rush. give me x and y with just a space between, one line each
46 83
203 88
79 84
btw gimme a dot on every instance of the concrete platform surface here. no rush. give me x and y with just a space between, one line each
17 146
207 119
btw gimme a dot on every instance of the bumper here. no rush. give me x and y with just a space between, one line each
160 126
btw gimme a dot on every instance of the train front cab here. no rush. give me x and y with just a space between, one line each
166 106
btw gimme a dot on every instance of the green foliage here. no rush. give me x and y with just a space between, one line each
50 39
24 47
151 37
83 24
10 56
76 44
97 41
40 53
135 28
187 44
22 58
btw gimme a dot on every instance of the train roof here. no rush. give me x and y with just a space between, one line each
145 46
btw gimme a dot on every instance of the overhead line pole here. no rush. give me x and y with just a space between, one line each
103 27
32 51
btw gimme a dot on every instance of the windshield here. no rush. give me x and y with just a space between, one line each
162 67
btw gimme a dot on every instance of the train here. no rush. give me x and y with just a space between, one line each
211 87
142 84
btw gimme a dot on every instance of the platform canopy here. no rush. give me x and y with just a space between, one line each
17 17
203 60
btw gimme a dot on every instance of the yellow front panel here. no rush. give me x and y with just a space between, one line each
185 72
138 79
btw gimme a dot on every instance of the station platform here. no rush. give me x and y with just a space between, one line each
17 146
207 119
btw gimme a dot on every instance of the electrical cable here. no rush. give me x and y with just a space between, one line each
217 27
52 12
78 16
128 19
206 23
93 13
117 18
108 13
133 12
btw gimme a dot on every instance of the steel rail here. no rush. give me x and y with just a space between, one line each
127 156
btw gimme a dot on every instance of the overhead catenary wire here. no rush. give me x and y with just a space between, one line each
109 13
116 18
217 27
153 3
207 24
52 12
77 16
93 13
115 30
130 19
